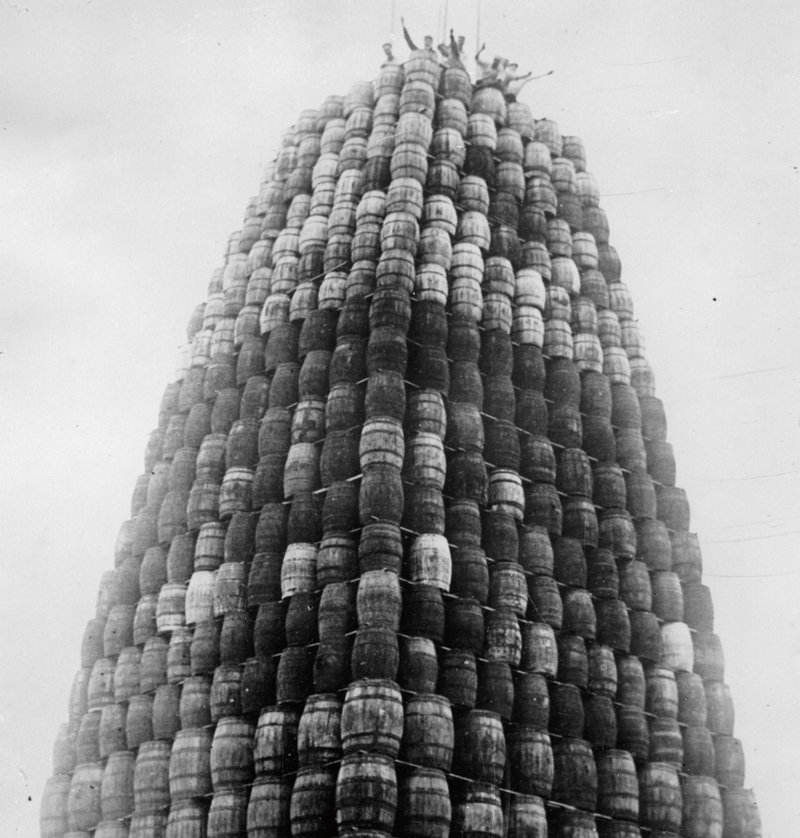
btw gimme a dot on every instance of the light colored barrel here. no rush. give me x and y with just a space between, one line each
430 562
200 597
677 648
298 571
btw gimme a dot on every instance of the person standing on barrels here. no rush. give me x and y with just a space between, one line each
413 47
390 59
493 75
514 84
453 51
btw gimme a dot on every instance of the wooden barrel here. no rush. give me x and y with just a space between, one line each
380 547
503 637
677 648
573 665
602 671
378 602
101 684
232 753
480 747
227 814
602 574
566 710
631 690
151 777
698 751
83 799
424 809
667 596
190 764
430 562
458 678
698 607
530 761
87 743
702 808
319 731
376 654
662 692
366 792
545 601
539 649
729 762
195 704
171 609
691 699
720 710
613 624
381 494
653 544
632 732
666 742
64 748
312 801
575 774
275 742
477 811
268 808
226 692
166 711
204 650
600 722
617 785
419 669
660 798
673 508
139 720
116 792
569 562
53 814
464 625
579 616
531 700
111 733
635 588
428 732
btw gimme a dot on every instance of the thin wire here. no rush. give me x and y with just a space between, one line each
477 26
750 576
752 477
752 538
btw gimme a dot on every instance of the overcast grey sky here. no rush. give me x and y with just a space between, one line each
133 135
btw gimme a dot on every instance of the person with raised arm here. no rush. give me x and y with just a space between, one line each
453 51
413 47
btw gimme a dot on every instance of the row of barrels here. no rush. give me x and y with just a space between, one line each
569 690
368 792
372 718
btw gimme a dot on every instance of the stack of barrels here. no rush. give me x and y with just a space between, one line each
408 556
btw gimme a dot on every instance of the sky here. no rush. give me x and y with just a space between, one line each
133 135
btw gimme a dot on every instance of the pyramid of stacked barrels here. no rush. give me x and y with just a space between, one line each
408 557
